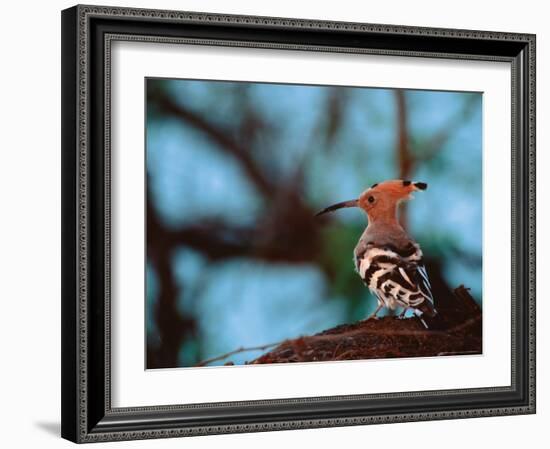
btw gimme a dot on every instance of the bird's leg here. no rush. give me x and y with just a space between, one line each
401 316
419 314
373 314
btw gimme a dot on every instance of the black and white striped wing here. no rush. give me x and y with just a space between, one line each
424 281
397 277
418 271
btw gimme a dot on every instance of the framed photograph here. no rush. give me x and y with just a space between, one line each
277 224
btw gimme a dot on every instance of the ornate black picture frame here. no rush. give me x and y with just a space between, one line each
87 34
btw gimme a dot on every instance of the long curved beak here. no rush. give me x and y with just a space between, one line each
350 203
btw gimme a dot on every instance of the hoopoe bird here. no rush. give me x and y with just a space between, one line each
389 262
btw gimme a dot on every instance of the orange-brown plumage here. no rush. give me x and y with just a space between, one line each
381 200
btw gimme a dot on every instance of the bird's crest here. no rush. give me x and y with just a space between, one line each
381 198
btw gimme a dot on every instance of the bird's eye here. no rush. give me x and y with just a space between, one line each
370 199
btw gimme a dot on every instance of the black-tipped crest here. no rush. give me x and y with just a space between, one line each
350 203
421 185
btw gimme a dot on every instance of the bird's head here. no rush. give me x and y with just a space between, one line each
381 199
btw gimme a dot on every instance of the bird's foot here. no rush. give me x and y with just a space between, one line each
373 315
403 314
370 317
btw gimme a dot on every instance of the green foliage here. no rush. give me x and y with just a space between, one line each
337 260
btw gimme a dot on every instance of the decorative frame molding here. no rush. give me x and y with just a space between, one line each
87 34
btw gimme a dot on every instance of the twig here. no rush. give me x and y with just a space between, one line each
336 349
237 351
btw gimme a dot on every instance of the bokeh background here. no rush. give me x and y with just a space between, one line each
235 174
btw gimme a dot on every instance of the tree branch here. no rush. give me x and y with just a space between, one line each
405 161
172 326
219 136
237 351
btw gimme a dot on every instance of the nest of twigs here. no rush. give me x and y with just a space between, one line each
456 330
